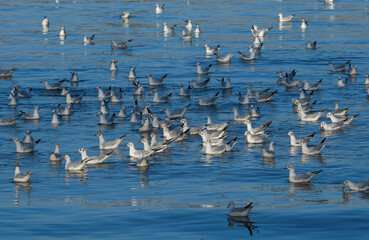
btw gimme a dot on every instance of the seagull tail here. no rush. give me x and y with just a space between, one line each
316 172
38 141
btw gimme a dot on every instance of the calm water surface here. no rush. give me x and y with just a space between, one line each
184 193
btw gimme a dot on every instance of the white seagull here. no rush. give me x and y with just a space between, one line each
73 166
24 147
313 150
21 177
91 160
109 145
285 19
361 186
300 178
240 211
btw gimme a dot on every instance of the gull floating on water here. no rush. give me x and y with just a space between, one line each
340 112
159 9
67 111
88 40
23 94
298 142
126 15
285 19
255 112
133 152
192 130
158 99
243 100
12 100
184 92
352 69
238 117
257 130
202 70
9 121
270 152
55 156
312 87
197 30
304 24
225 84
113 65
106 120
62 32
186 36
53 86
116 98
216 127
338 68
21 177
247 57
109 145
32 116
24 147
310 117
73 166
240 211
28 138
311 45
211 149
55 119
197 85
341 83
313 150
45 22
211 51
265 97
256 139
120 45
300 178
332 126
361 186
75 99
91 160
345 120
7 73
259 33
156 81
224 59
167 29
208 101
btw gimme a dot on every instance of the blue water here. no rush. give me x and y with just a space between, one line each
184 192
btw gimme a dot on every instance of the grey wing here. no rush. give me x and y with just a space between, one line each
306 176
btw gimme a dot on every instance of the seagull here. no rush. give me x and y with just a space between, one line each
188 25
28 138
238 117
254 94
243 100
156 81
55 156
203 70
192 130
74 78
184 92
106 120
352 70
145 127
239 212
32 116
341 83
103 95
247 57
24 147
187 36
260 138
117 98
156 123
300 178
361 186
12 100
214 140
225 84
104 108
226 58
285 19
304 24
255 112
113 65
197 30
312 87
338 68
126 15
23 94
75 99
256 50
133 152
110 145
67 111
332 126
132 73
93 159
197 85
311 45
159 9
158 147
208 101
138 91
73 166
120 45
176 134
346 120
7 73
310 117
134 117
259 33
21 177
62 32
211 149
53 86
210 51
340 112
158 99
176 114
216 127
9 121
88 40
269 153
257 130
63 91
45 22
167 29
366 79
298 142
316 149
265 98
122 112
55 118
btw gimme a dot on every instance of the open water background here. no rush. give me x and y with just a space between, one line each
184 193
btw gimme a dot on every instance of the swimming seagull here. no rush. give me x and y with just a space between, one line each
265 97
145 127
88 40
256 139
63 91
90 160
9 121
132 73
202 70
243 100
345 120
192 130
184 92
12 100
226 58
310 117
156 81
197 30
188 25
7 73
74 78
186 36
55 118
120 45
300 178
361 186
73 166
23 94
75 99
24 147
117 98
126 15
285 19
156 123
225 84
340 112
109 145
159 9
106 120
158 99
312 87
238 117
304 24
55 156
366 79
64 111
167 29
298 142
240 211
62 32
341 83
247 57
113 65
311 45
211 149
208 101
122 112
197 85
156 147
45 22
313 150
352 69
210 51
28 138
217 126
257 130
103 95
338 68
53 86
255 112
21 177
133 152
259 33
332 126
32 116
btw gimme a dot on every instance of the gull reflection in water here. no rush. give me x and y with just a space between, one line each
347 196
244 222
300 187
295 150
318 158
80 176
268 161
18 187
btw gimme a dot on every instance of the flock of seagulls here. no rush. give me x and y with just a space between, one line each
214 137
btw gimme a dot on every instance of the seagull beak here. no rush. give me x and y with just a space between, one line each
287 135
77 151
140 141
